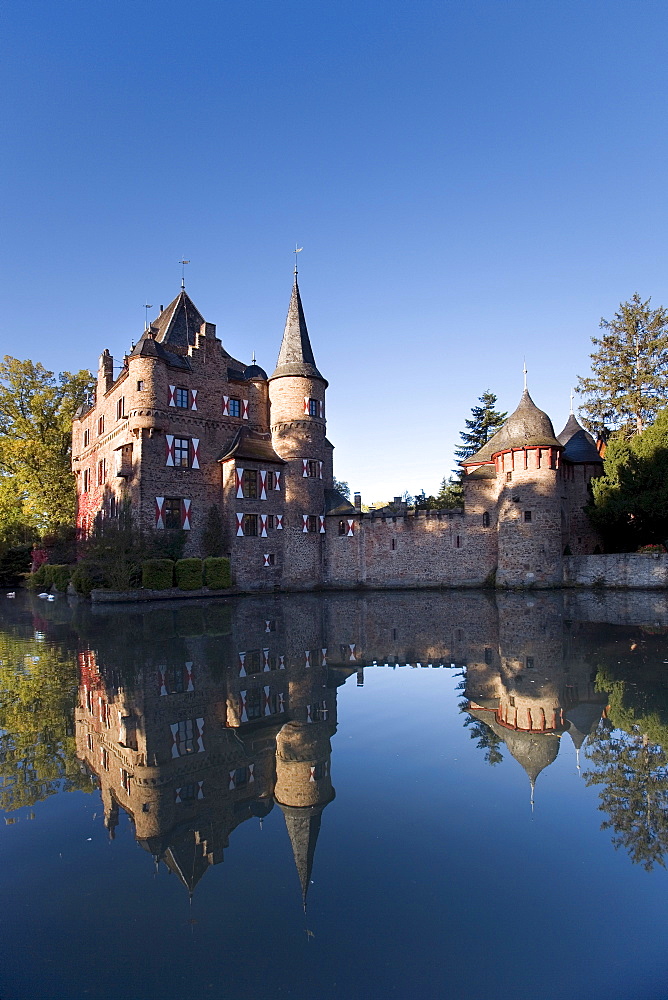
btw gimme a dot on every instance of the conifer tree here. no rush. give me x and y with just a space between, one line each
629 379
484 423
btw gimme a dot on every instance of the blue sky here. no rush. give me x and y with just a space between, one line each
472 183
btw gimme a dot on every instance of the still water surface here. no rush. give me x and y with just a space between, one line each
351 796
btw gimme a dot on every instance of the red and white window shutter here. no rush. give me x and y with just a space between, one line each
263 485
200 735
320 469
185 514
226 406
279 522
267 561
244 409
194 453
322 523
190 686
243 714
193 399
304 523
263 526
351 528
240 525
239 473
159 512
305 468
172 395
277 480
169 449
307 400
267 701
162 678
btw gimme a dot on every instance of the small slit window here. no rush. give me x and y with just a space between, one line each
485 520
527 516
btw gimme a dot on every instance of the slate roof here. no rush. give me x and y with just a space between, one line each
296 355
147 347
527 427
579 445
178 324
255 445
336 503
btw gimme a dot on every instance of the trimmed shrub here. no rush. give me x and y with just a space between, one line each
217 573
60 577
188 574
42 579
81 580
157 574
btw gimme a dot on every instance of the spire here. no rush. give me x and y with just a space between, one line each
303 826
296 355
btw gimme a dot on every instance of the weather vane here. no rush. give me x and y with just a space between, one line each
183 271
297 250
146 307
525 370
572 398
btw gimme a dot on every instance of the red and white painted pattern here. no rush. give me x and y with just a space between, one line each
162 678
281 662
281 702
242 661
305 468
306 406
185 514
277 480
200 735
265 657
169 449
159 516
193 399
351 528
240 525
320 469
351 647
279 522
172 395
307 657
266 700
304 523
174 727
244 409
263 484
267 562
190 678
194 453
243 714
226 406
263 526
239 479
321 407
322 523
323 657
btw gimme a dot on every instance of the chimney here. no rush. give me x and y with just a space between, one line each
105 372
357 501
396 501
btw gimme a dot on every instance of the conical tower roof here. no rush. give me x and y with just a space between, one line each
303 826
296 354
579 445
527 427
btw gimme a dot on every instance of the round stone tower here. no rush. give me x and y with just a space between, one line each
526 457
297 421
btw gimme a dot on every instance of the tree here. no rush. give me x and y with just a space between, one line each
341 487
634 776
629 369
630 499
484 423
36 411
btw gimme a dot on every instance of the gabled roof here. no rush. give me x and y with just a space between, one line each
336 503
579 445
147 347
255 445
527 427
178 324
296 354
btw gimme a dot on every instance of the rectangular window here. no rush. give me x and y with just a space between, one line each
141 385
254 704
394 544
101 471
105 758
319 771
89 741
509 477
172 512
485 520
181 397
253 662
271 481
120 408
86 437
250 524
241 777
527 516
313 408
488 654
113 506
313 469
86 481
342 528
269 559
100 426
188 793
185 740
270 520
312 523
182 452
125 780
176 680
235 407
250 484
529 663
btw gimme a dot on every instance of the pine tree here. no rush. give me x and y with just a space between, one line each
629 369
484 423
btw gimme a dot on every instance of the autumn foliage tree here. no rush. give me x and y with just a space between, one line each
36 410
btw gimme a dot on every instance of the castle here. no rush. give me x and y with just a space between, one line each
186 432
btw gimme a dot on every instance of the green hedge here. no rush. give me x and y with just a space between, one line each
82 581
60 577
157 574
41 579
217 575
188 574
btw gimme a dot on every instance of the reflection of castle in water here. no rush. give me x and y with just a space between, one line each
220 718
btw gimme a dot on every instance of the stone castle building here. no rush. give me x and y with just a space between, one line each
187 434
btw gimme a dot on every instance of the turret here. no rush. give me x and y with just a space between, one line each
581 463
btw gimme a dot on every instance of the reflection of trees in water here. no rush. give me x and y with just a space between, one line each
38 689
634 776
487 739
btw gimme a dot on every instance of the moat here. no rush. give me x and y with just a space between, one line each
345 795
